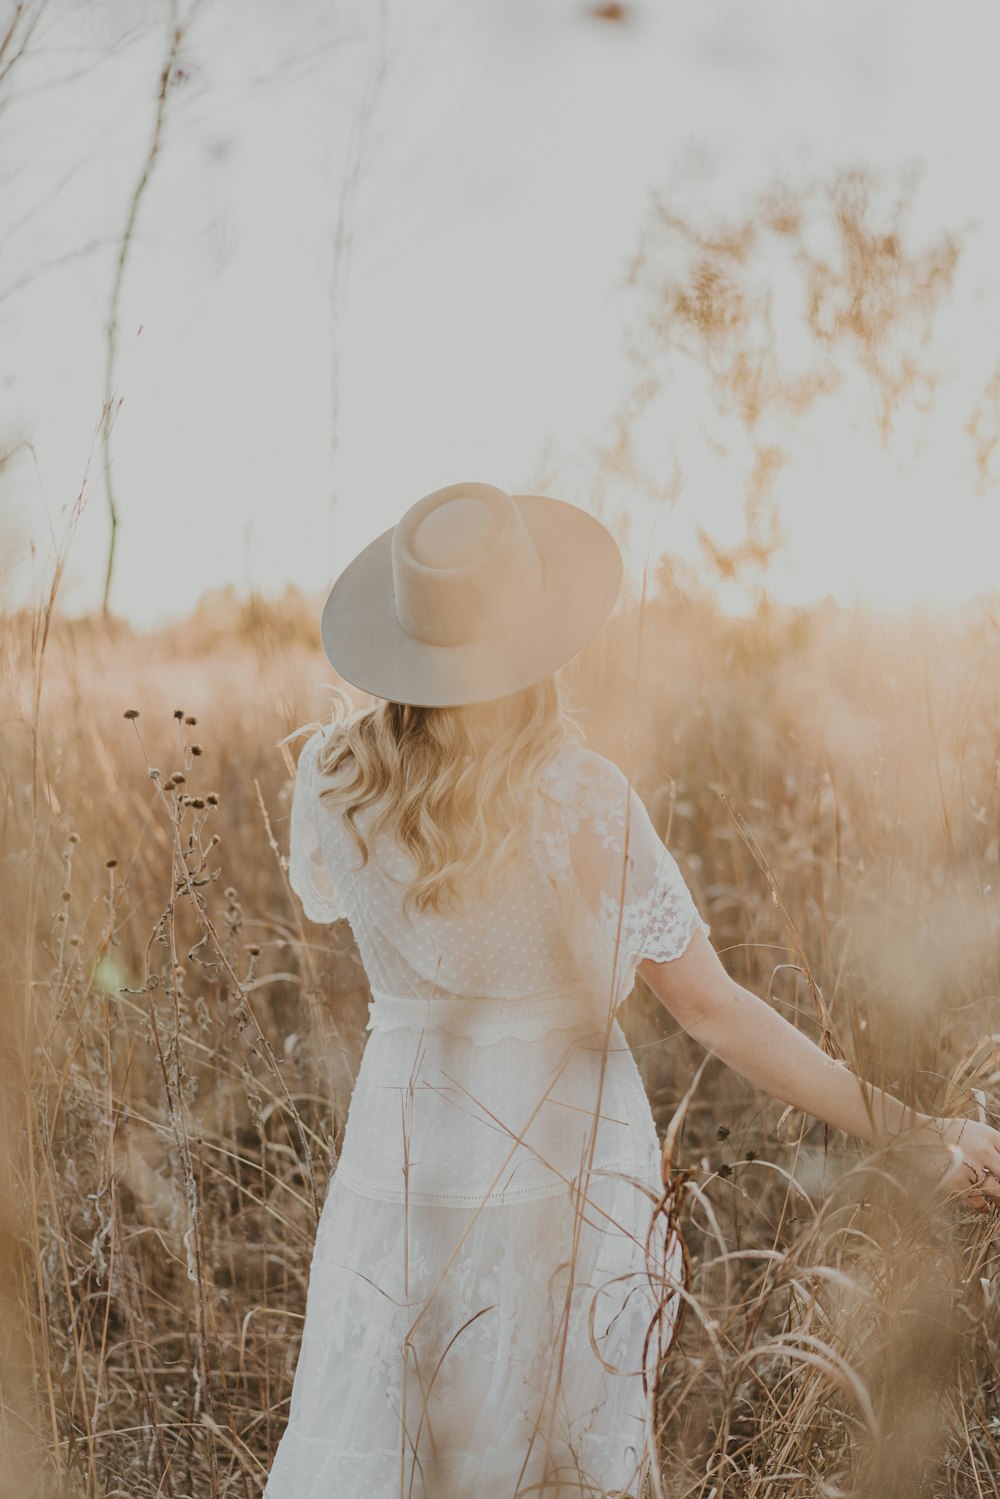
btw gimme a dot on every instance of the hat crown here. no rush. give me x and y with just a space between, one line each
455 533
463 565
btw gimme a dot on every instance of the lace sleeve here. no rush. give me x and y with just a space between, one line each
622 892
308 872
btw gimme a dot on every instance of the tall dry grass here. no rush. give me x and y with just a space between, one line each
180 1043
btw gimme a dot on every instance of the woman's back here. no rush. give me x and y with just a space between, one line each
590 892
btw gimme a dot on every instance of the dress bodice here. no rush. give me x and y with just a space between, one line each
593 891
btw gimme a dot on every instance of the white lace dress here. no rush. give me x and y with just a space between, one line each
481 1286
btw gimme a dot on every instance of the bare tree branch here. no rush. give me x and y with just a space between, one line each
56 263
342 234
14 41
177 33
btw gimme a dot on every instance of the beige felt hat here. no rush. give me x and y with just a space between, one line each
473 594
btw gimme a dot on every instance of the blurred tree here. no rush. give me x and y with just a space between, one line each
984 429
609 10
769 314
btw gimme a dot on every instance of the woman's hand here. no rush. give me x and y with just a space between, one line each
963 1156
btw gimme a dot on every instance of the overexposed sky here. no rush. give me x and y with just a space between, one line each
384 248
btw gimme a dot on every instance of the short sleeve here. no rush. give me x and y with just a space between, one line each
622 892
308 871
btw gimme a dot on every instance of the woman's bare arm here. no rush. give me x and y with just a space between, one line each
750 1036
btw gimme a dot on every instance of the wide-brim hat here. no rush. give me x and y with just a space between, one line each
472 595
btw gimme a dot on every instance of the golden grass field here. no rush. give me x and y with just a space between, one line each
179 1042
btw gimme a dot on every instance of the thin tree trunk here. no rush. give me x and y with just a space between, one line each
111 347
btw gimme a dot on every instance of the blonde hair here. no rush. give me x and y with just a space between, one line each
454 785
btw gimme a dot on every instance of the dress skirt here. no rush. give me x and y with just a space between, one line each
472 1331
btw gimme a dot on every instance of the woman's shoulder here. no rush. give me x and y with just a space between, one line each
312 770
320 745
578 776
308 757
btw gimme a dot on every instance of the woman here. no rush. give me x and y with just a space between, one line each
490 1281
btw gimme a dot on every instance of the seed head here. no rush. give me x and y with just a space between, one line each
254 950
153 773
212 798
131 713
191 719
198 802
196 749
178 712
74 837
111 863
67 895
722 1133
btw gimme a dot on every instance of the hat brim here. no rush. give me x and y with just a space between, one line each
365 643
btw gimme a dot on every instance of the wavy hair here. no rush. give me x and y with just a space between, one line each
454 785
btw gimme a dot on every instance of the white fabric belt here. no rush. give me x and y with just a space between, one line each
526 1016
499 1098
